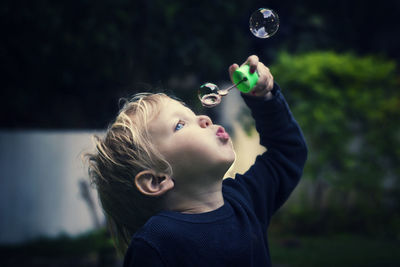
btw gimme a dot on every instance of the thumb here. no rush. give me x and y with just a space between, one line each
232 69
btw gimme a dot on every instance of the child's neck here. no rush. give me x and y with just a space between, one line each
196 201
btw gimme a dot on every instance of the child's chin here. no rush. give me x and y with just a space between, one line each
229 162
231 158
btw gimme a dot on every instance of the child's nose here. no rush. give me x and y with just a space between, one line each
205 121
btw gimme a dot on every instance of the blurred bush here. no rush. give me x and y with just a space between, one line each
349 108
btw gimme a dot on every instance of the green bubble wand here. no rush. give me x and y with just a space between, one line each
210 95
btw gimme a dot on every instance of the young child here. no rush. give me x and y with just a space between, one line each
159 170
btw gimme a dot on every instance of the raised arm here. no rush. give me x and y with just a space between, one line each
270 180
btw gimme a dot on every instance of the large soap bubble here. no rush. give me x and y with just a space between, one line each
208 95
264 23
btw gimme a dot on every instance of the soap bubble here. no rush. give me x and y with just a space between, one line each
208 95
264 23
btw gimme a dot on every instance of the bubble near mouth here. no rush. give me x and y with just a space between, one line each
210 100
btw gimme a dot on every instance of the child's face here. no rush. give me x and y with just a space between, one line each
193 145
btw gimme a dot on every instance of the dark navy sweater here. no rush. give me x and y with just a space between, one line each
236 233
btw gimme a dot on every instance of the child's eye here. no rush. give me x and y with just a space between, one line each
179 125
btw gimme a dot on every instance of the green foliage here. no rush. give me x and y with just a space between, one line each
349 110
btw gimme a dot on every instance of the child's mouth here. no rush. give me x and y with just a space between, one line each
222 134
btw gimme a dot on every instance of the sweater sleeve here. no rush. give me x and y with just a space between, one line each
270 180
140 253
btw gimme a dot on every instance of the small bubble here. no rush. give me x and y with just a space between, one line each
264 23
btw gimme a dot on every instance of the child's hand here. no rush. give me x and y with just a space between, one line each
265 81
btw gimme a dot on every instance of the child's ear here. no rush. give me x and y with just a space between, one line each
154 184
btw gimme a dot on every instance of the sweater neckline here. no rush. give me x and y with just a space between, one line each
221 213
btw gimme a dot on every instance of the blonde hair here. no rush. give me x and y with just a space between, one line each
125 150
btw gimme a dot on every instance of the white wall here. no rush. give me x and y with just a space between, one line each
39 184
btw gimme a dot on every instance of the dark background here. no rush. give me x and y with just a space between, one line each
65 64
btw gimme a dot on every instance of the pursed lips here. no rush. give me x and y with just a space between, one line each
222 134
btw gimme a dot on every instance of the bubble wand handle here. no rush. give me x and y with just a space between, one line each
244 80
225 91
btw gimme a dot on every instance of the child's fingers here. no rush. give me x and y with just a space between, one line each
232 69
270 82
252 61
265 81
268 79
262 75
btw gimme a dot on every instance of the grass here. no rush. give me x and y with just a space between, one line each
95 249
335 250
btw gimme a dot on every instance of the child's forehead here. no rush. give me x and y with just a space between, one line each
171 107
